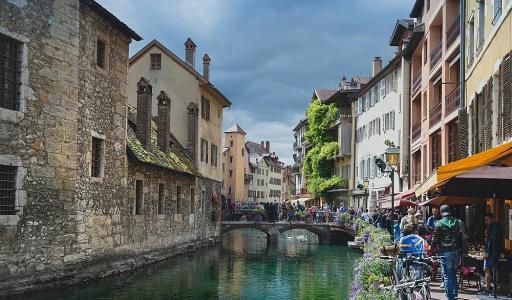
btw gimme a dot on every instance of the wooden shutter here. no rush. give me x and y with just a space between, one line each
206 151
506 87
207 110
202 149
488 134
203 107
463 133
474 126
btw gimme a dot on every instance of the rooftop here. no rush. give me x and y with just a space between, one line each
235 129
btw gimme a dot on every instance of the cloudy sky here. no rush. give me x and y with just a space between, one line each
269 55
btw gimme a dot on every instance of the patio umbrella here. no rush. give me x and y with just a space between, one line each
486 182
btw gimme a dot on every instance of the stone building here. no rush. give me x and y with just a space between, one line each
80 196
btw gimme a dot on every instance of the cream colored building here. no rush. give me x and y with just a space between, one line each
196 105
233 164
488 73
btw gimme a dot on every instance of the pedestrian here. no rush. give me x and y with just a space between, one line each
342 208
335 208
436 216
492 249
366 216
448 236
408 219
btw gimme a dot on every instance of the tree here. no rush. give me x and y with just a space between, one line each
318 162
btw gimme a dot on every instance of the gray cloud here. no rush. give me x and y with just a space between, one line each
268 56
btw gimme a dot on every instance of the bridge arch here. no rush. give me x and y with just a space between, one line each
321 233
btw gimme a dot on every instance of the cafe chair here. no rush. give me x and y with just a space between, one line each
468 271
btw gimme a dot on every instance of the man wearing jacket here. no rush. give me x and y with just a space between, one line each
494 239
449 233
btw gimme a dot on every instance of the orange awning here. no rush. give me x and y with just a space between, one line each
398 202
444 173
450 200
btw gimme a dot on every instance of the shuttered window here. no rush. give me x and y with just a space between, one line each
506 95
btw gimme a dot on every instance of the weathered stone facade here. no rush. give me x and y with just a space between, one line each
71 224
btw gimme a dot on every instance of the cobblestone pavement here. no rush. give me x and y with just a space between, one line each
467 293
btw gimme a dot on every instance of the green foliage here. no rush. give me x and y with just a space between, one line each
318 162
389 143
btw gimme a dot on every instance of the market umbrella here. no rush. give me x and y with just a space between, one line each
485 182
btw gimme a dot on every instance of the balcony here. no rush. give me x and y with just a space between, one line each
416 131
416 82
453 32
296 170
247 178
435 114
435 56
452 101
296 145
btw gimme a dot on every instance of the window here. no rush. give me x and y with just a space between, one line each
7 190
382 88
223 167
139 189
178 199
230 173
192 200
498 5
214 155
425 52
243 152
205 108
231 159
160 199
372 97
231 143
204 150
100 54
96 157
230 189
471 40
481 25
156 61
10 73
435 158
453 133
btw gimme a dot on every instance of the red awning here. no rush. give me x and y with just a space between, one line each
407 194
399 202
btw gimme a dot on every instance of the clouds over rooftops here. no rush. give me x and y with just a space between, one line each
268 56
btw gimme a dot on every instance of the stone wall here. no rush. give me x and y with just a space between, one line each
72 226
40 139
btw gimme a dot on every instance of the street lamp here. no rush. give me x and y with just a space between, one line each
392 154
366 183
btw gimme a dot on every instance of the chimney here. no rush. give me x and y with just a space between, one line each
263 145
206 67
267 147
164 122
192 130
190 53
144 94
377 65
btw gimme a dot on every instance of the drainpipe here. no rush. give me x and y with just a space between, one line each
462 71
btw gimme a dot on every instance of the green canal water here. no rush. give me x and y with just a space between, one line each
242 267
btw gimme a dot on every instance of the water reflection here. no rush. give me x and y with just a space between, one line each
243 267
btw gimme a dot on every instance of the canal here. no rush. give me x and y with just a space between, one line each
242 267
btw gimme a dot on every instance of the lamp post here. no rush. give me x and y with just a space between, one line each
392 154
365 184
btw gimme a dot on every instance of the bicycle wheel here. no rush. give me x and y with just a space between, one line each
411 295
425 292
395 279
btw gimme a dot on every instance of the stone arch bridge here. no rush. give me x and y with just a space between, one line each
326 233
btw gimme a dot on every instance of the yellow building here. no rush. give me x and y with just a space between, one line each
233 164
488 73
196 105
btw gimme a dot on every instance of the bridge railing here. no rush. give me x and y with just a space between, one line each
250 214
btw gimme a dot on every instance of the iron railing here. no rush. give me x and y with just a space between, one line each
452 101
435 55
453 32
435 114
416 82
416 130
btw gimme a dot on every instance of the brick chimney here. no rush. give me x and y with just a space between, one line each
164 122
267 147
144 94
377 65
206 67
190 53
192 130
263 145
